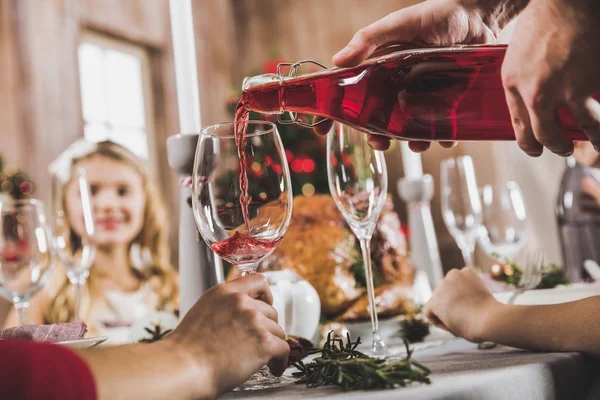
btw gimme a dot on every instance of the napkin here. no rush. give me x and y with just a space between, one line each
47 333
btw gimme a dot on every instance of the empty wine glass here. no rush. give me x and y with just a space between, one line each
503 220
26 252
461 206
357 177
73 225
529 277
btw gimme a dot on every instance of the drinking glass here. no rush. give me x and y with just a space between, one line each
26 252
503 221
242 201
73 226
242 226
461 206
357 177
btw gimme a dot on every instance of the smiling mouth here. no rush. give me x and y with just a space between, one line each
109 224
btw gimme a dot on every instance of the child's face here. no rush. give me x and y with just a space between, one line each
118 201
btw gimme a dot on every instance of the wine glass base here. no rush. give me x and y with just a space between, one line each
263 379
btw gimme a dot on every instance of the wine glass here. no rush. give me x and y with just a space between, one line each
242 200
26 252
75 244
503 220
461 205
357 177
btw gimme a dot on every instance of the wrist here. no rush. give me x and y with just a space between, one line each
196 374
486 320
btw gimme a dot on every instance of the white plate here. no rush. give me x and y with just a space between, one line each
84 343
560 294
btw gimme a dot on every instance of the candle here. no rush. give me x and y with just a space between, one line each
186 73
411 161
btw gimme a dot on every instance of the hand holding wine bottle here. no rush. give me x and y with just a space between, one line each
551 61
433 22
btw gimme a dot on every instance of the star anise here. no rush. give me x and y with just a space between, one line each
156 333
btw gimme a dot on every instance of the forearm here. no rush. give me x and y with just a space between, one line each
147 371
573 326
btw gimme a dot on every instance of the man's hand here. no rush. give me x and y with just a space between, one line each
232 331
435 22
553 59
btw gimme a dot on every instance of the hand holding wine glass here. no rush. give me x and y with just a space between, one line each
357 178
26 252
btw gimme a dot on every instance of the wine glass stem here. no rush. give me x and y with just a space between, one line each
22 308
77 289
247 269
379 347
467 254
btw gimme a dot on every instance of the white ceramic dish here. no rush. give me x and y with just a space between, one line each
560 294
84 343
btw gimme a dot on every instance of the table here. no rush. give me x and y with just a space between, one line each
461 371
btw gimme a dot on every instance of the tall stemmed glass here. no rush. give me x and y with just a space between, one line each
219 203
26 252
461 205
357 177
217 199
503 220
73 225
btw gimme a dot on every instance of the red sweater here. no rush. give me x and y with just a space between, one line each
30 370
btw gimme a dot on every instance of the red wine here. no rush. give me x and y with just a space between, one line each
242 248
426 94
240 128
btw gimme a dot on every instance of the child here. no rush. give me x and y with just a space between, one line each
131 276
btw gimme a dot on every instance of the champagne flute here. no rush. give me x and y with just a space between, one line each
461 205
357 177
242 201
26 252
503 221
75 244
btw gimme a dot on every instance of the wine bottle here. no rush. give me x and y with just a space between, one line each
435 93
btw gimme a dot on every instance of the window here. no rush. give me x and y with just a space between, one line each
115 93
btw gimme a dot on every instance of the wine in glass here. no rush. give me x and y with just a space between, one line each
503 220
73 226
242 199
26 252
461 205
357 177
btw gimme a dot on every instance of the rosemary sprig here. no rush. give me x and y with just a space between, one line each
156 333
348 368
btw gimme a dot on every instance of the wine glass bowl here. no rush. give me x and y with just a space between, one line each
241 228
26 252
503 220
461 205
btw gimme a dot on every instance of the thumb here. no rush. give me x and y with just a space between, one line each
400 27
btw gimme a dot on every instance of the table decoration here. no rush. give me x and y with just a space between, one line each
342 365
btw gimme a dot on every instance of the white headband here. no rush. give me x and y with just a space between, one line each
61 167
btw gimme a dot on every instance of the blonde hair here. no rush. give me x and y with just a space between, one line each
157 271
